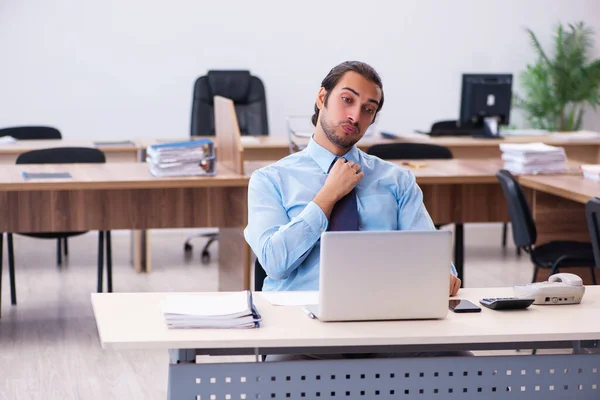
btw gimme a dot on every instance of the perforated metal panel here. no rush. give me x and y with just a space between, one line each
514 377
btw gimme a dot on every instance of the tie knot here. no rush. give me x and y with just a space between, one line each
333 162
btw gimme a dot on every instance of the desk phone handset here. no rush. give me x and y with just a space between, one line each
561 288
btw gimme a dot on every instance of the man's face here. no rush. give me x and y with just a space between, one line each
350 109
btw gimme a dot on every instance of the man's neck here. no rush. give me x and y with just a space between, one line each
324 142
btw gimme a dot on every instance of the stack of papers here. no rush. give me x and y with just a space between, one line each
591 171
215 310
189 158
533 158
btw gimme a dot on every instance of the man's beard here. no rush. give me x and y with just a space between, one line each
338 140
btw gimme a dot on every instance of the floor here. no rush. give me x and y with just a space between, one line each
49 346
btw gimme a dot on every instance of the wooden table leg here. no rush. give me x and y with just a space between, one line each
140 250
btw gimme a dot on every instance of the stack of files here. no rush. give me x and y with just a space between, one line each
189 158
591 171
533 158
211 310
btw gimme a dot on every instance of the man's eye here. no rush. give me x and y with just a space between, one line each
346 99
369 110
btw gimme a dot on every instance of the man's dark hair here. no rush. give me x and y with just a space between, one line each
336 73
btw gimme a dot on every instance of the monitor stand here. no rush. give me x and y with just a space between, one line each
490 129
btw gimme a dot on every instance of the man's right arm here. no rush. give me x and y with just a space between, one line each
280 243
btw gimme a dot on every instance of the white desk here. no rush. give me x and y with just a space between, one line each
134 321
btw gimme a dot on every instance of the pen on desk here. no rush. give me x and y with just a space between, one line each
308 313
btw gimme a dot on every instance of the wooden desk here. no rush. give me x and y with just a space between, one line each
571 187
558 205
114 153
126 196
134 321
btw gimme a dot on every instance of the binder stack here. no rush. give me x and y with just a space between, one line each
188 158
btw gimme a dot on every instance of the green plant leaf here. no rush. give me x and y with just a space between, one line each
555 90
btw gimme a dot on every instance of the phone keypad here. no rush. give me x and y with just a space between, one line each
506 303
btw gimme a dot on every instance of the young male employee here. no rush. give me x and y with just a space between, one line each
330 185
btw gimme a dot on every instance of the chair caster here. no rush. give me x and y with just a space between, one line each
205 257
187 247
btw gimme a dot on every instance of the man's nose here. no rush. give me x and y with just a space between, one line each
353 114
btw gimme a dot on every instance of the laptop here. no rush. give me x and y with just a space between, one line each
383 275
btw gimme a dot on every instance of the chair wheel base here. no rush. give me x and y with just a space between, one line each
205 258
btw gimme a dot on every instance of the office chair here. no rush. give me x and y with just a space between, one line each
259 276
62 155
409 151
554 254
31 132
38 133
592 212
250 101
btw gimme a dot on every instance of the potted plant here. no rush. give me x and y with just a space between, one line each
558 87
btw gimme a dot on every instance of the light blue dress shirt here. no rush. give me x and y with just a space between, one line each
285 225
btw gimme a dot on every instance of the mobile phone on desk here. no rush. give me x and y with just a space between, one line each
463 306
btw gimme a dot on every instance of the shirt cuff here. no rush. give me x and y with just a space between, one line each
315 218
453 269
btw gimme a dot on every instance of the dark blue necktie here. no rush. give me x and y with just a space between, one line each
344 216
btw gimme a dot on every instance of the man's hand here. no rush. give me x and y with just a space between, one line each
454 285
342 178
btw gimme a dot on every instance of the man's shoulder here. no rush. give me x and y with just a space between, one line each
281 166
383 167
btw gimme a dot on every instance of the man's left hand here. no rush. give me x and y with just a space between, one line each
454 285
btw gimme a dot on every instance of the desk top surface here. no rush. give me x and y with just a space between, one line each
573 187
442 171
21 146
135 321
282 142
108 176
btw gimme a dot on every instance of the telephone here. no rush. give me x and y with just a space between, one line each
560 288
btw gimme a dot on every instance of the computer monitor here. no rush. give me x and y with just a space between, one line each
485 103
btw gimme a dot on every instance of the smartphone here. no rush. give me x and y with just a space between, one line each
463 306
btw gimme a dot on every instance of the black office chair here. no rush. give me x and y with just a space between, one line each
248 95
409 151
31 132
245 90
592 212
259 276
38 133
62 155
554 254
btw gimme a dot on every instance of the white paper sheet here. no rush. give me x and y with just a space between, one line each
291 298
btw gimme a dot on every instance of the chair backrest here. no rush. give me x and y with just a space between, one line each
31 132
62 155
247 93
592 212
523 225
444 126
410 151
259 276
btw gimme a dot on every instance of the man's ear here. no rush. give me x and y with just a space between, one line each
321 98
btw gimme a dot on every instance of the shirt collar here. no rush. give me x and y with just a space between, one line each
324 157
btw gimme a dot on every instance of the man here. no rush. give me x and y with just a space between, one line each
291 202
